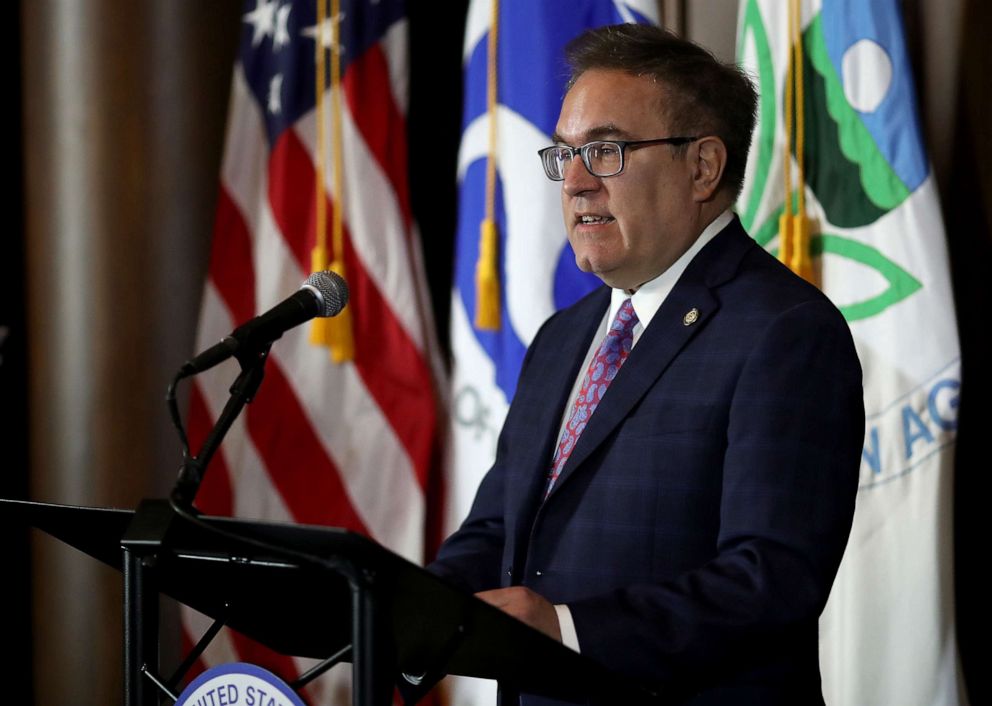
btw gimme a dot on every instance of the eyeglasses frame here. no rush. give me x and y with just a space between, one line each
583 152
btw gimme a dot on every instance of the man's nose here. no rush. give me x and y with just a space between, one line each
578 179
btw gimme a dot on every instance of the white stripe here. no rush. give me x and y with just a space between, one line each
244 171
379 476
371 211
395 45
255 496
375 469
378 231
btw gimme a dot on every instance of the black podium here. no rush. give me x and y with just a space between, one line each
316 592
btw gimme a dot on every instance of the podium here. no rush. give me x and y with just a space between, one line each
317 592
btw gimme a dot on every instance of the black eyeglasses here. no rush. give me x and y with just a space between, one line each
603 158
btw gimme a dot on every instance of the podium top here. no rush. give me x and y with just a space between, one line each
288 587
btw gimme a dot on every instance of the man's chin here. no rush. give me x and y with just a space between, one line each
604 270
608 277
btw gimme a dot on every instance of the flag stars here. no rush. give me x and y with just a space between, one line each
281 37
324 32
274 98
262 19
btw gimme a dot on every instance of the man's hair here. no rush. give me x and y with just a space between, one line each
703 95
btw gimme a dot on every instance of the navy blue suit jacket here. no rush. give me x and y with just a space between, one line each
696 528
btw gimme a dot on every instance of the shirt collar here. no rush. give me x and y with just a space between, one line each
652 294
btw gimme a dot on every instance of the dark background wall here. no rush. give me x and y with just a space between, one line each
111 167
15 589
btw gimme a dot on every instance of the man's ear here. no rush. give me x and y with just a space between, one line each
710 156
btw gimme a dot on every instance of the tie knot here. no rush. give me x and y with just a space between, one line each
620 337
626 318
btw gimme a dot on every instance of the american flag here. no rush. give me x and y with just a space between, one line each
349 444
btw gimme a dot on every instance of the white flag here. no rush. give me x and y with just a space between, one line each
879 252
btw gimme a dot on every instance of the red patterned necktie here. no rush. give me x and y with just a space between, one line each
604 367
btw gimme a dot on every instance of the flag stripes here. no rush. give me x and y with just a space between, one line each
350 444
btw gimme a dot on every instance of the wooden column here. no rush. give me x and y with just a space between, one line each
123 120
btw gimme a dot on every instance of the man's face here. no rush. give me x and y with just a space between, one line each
628 228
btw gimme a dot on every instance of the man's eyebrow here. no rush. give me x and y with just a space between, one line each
600 132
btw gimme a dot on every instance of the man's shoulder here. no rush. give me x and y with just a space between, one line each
746 276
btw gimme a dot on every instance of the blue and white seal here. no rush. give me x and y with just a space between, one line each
238 684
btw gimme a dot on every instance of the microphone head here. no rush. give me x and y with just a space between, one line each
333 291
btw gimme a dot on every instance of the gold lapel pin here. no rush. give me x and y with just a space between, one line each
691 317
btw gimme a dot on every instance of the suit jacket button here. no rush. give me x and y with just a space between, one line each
539 573
509 572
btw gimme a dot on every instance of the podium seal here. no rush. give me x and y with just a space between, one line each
238 684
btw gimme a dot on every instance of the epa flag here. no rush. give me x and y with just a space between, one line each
314 175
511 238
843 120
514 83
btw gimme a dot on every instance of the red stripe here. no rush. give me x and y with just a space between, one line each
291 196
368 90
232 272
231 267
393 370
215 496
297 462
300 468
390 364
404 392
233 275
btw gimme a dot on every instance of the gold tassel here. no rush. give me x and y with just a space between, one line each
785 243
794 227
319 334
798 257
800 261
336 332
487 280
339 328
487 305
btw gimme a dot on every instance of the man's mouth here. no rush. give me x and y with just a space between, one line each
594 220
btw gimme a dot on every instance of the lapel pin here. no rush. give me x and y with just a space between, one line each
691 317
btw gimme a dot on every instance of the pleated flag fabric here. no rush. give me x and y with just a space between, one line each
351 443
877 248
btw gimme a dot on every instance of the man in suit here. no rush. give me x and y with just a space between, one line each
678 516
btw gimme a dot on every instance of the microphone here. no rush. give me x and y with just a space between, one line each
323 294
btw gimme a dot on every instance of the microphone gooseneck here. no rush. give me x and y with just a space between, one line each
323 294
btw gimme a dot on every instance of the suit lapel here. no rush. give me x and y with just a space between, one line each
672 327
571 337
